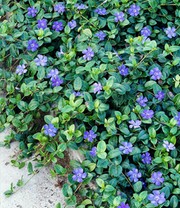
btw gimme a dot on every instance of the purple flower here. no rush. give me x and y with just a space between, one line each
72 24
90 135
126 148
170 32
42 24
134 175
147 114
177 118
160 95
79 175
77 94
60 8
134 124
146 158
119 17
97 87
53 73
101 35
88 54
146 32
21 69
123 205
40 60
134 10
56 81
32 45
101 11
57 26
81 6
50 130
169 146
32 11
142 101
123 70
93 152
156 197
157 178
155 73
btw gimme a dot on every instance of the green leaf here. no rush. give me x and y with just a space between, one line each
101 147
67 109
58 205
137 186
33 105
77 83
157 160
100 182
174 202
102 155
153 3
87 32
30 168
114 153
177 101
115 170
51 147
59 169
41 73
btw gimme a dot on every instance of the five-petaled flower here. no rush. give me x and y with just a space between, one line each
134 124
157 178
123 70
57 26
155 73
157 198
160 95
147 114
21 69
134 175
32 11
79 175
170 32
119 17
97 87
134 10
42 24
32 45
145 32
101 11
90 135
41 60
50 130
146 158
88 54
60 8
101 35
142 101
169 146
72 24
126 147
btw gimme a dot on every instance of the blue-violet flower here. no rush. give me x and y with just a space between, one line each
126 147
41 60
79 175
134 175
157 198
90 135
50 130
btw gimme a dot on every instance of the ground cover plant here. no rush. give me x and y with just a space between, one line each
102 78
